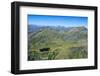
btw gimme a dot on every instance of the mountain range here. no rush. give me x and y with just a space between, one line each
58 38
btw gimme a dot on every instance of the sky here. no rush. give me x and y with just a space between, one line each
50 20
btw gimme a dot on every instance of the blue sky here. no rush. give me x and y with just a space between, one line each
67 21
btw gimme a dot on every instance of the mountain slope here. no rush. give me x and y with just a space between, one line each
60 41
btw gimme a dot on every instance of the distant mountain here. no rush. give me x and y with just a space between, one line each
47 33
33 28
77 29
66 33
